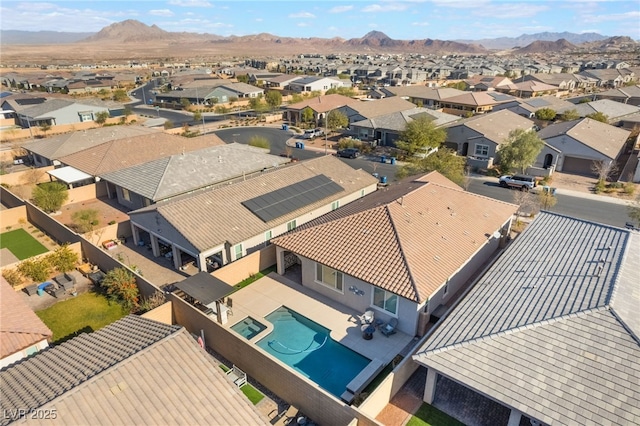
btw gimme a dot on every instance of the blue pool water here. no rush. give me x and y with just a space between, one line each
305 346
248 327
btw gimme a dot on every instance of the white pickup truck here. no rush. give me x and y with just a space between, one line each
521 182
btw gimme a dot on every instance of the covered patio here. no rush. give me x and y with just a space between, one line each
70 176
206 293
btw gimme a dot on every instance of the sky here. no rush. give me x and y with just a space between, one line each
403 20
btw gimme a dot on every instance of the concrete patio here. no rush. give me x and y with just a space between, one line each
269 293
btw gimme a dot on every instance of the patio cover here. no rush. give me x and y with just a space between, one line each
205 288
69 174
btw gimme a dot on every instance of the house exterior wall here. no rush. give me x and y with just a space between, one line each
407 310
136 201
539 163
43 344
71 113
459 135
569 147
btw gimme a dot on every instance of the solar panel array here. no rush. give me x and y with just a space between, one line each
500 96
538 103
30 101
291 198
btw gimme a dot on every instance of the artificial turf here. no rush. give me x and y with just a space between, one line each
21 244
85 313
428 415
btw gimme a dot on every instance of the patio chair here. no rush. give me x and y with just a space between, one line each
389 328
368 317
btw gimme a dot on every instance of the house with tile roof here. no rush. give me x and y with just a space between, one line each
313 83
528 107
549 335
474 102
626 95
424 96
615 111
56 112
404 251
225 223
178 174
374 108
320 105
386 129
22 333
580 143
135 371
44 152
480 136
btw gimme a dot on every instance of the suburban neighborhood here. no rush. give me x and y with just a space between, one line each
367 237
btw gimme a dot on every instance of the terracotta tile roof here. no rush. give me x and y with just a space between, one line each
122 153
323 103
20 327
409 246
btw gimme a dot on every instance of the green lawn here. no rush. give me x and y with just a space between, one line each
255 277
86 312
21 244
427 415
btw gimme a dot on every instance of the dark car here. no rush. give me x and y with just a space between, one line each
348 153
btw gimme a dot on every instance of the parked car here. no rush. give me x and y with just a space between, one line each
521 182
309 134
348 153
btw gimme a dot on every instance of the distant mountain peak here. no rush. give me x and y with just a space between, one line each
376 35
127 31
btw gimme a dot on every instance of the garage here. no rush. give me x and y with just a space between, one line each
578 166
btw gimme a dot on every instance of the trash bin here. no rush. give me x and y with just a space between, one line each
301 145
545 189
383 159
553 191
297 144
40 291
285 127
383 179
393 160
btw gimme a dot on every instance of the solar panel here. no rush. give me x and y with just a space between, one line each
500 96
5 94
293 197
30 101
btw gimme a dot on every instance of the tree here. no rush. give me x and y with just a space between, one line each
260 142
185 103
233 99
336 120
102 117
546 200
460 85
444 160
63 259
604 170
633 210
243 78
519 150
599 116
85 220
570 115
50 196
120 285
273 98
545 114
119 95
45 127
420 135
37 269
127 112
307 115
197 116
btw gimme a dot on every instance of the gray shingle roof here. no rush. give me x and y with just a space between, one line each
45 108
181 173
135 372
550 328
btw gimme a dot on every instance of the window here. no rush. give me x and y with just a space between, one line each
335 205
385 300
237 251
126 195
291 225
362 192
446 287
329 277
482 150
86 116
267 236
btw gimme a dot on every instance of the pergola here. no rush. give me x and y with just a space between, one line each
71 176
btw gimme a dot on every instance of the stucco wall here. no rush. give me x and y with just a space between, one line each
461 134
295 389
163 314
12 217
84 193
407 310
21 178
572 148
237 271
26 134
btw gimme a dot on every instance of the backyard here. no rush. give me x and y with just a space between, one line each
21 244
427 415
85 313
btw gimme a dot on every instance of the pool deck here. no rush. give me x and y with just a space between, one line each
269 293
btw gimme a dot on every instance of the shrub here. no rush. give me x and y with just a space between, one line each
152 302
120 285
600 186
13 277
112 222
85 220
63 259
36 269
629 188
50 196
354 143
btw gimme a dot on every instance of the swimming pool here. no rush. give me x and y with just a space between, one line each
305 346
248 327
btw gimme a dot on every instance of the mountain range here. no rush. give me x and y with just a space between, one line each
133 38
